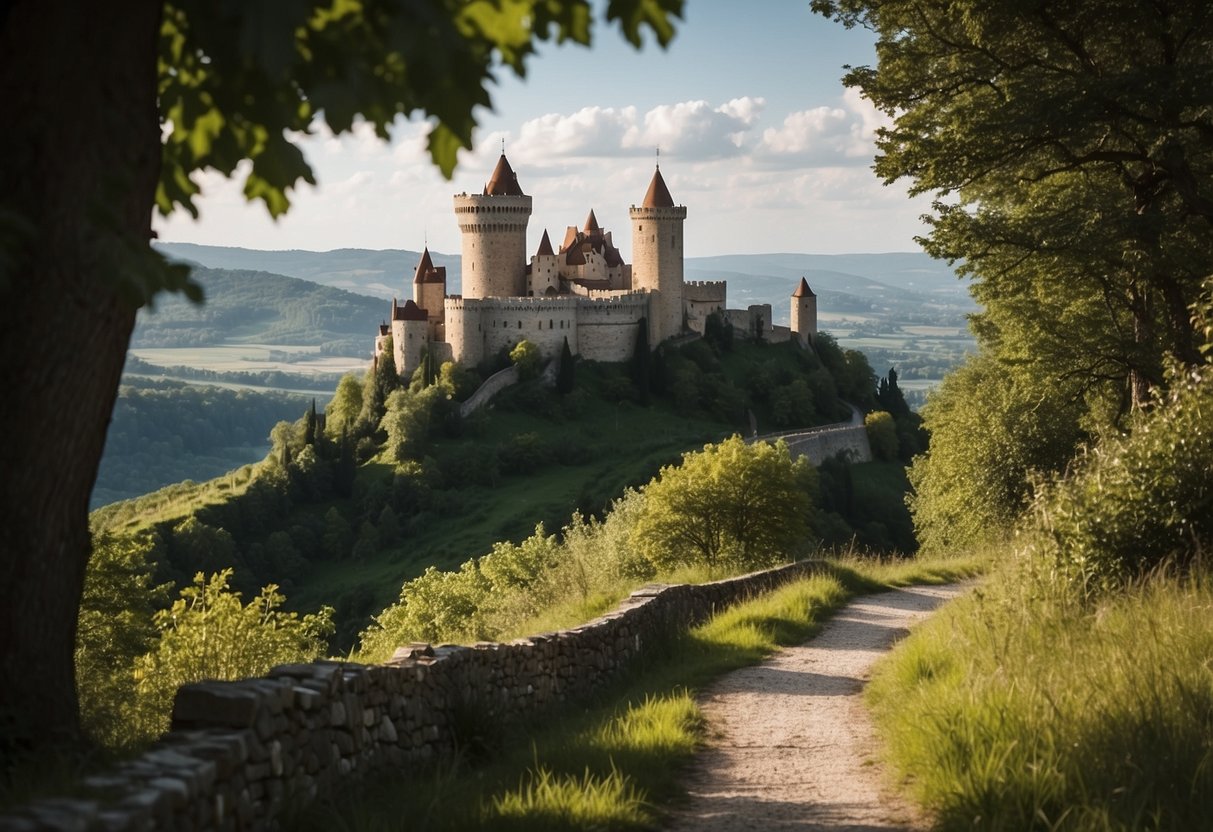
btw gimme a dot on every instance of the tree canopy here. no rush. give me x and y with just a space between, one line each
731 503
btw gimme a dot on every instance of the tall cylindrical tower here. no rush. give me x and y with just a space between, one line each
657 258
804 313
493 224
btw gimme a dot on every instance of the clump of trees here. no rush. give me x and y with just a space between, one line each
731 506
1069 151
132 652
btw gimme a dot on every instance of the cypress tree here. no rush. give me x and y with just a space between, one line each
566 379
640 361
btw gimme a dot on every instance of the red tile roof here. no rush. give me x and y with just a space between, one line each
591 223
803 290
426 273
658 195
409 311
503 182
545 245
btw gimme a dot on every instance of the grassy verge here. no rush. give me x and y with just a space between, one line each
1014 709
613 763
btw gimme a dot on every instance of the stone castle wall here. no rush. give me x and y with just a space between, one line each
657 265
606 327
241 754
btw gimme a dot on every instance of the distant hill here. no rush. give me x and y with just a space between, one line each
857 283
254 307
382 274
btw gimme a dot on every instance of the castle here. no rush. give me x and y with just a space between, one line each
583 292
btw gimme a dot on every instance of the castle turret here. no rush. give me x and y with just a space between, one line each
493 224
804 313
429 291
544 271
410 335
657 258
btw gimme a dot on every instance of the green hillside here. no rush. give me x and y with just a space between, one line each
250 307
533 456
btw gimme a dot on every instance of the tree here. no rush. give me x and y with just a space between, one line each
641 368
1070 146
882 435
160 92
342 412
526 358
566 378
729 503
209 634
116 627
992 431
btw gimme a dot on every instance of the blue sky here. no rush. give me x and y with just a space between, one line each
758 137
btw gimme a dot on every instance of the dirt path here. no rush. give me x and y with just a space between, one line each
790 744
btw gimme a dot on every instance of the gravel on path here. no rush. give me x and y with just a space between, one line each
790 743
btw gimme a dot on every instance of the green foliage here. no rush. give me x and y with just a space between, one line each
1018 709
409 419
1135 502
235 83
566 378
342 413
208 634
992 433
730 504
115 627
882 435
526 357
641 364
169 432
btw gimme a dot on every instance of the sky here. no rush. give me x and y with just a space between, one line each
758 138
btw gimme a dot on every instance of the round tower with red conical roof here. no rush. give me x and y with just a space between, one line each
657 258
493 224
804 313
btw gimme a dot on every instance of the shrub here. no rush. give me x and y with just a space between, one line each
1136 501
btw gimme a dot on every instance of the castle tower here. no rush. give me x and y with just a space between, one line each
493 225
543 275
804 313
429 291
657 258
410 336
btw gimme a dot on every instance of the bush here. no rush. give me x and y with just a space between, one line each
1137 501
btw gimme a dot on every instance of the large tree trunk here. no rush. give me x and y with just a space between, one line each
79 157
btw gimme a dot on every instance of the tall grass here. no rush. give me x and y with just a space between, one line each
1019 708
614 763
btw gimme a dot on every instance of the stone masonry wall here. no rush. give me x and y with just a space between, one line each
239 753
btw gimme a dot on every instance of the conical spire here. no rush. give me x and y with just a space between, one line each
591 223
503 182
803 290
545 245
658 195
424 267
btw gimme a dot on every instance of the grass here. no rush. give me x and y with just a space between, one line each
1017 709
615 762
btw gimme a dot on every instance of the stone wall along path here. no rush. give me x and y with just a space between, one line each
790 742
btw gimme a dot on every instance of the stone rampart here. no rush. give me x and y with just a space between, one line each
492 385
241 753
820 444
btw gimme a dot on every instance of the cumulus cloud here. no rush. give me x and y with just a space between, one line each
696 130
824 136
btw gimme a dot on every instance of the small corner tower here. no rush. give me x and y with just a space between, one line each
804 313
657 258
429 292
493 224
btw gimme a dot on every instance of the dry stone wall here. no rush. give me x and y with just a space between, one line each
240 754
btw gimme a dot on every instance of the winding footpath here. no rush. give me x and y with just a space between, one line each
791 745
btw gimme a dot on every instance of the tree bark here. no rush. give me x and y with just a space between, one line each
79 158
